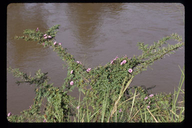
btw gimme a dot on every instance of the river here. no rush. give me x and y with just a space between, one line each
94 33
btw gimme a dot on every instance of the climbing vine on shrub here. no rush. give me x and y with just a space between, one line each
110 79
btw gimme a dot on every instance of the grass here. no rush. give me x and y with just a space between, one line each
138 107
159 108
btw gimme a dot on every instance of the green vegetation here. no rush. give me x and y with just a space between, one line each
105 94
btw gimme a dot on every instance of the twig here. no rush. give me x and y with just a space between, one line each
174 114
136 113
152 116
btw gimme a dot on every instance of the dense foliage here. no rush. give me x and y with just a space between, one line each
105 88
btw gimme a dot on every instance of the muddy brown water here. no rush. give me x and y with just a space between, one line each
94 33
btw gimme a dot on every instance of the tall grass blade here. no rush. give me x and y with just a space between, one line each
152 116
132 103
103 109
120 95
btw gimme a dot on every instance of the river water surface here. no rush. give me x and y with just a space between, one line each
94 33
